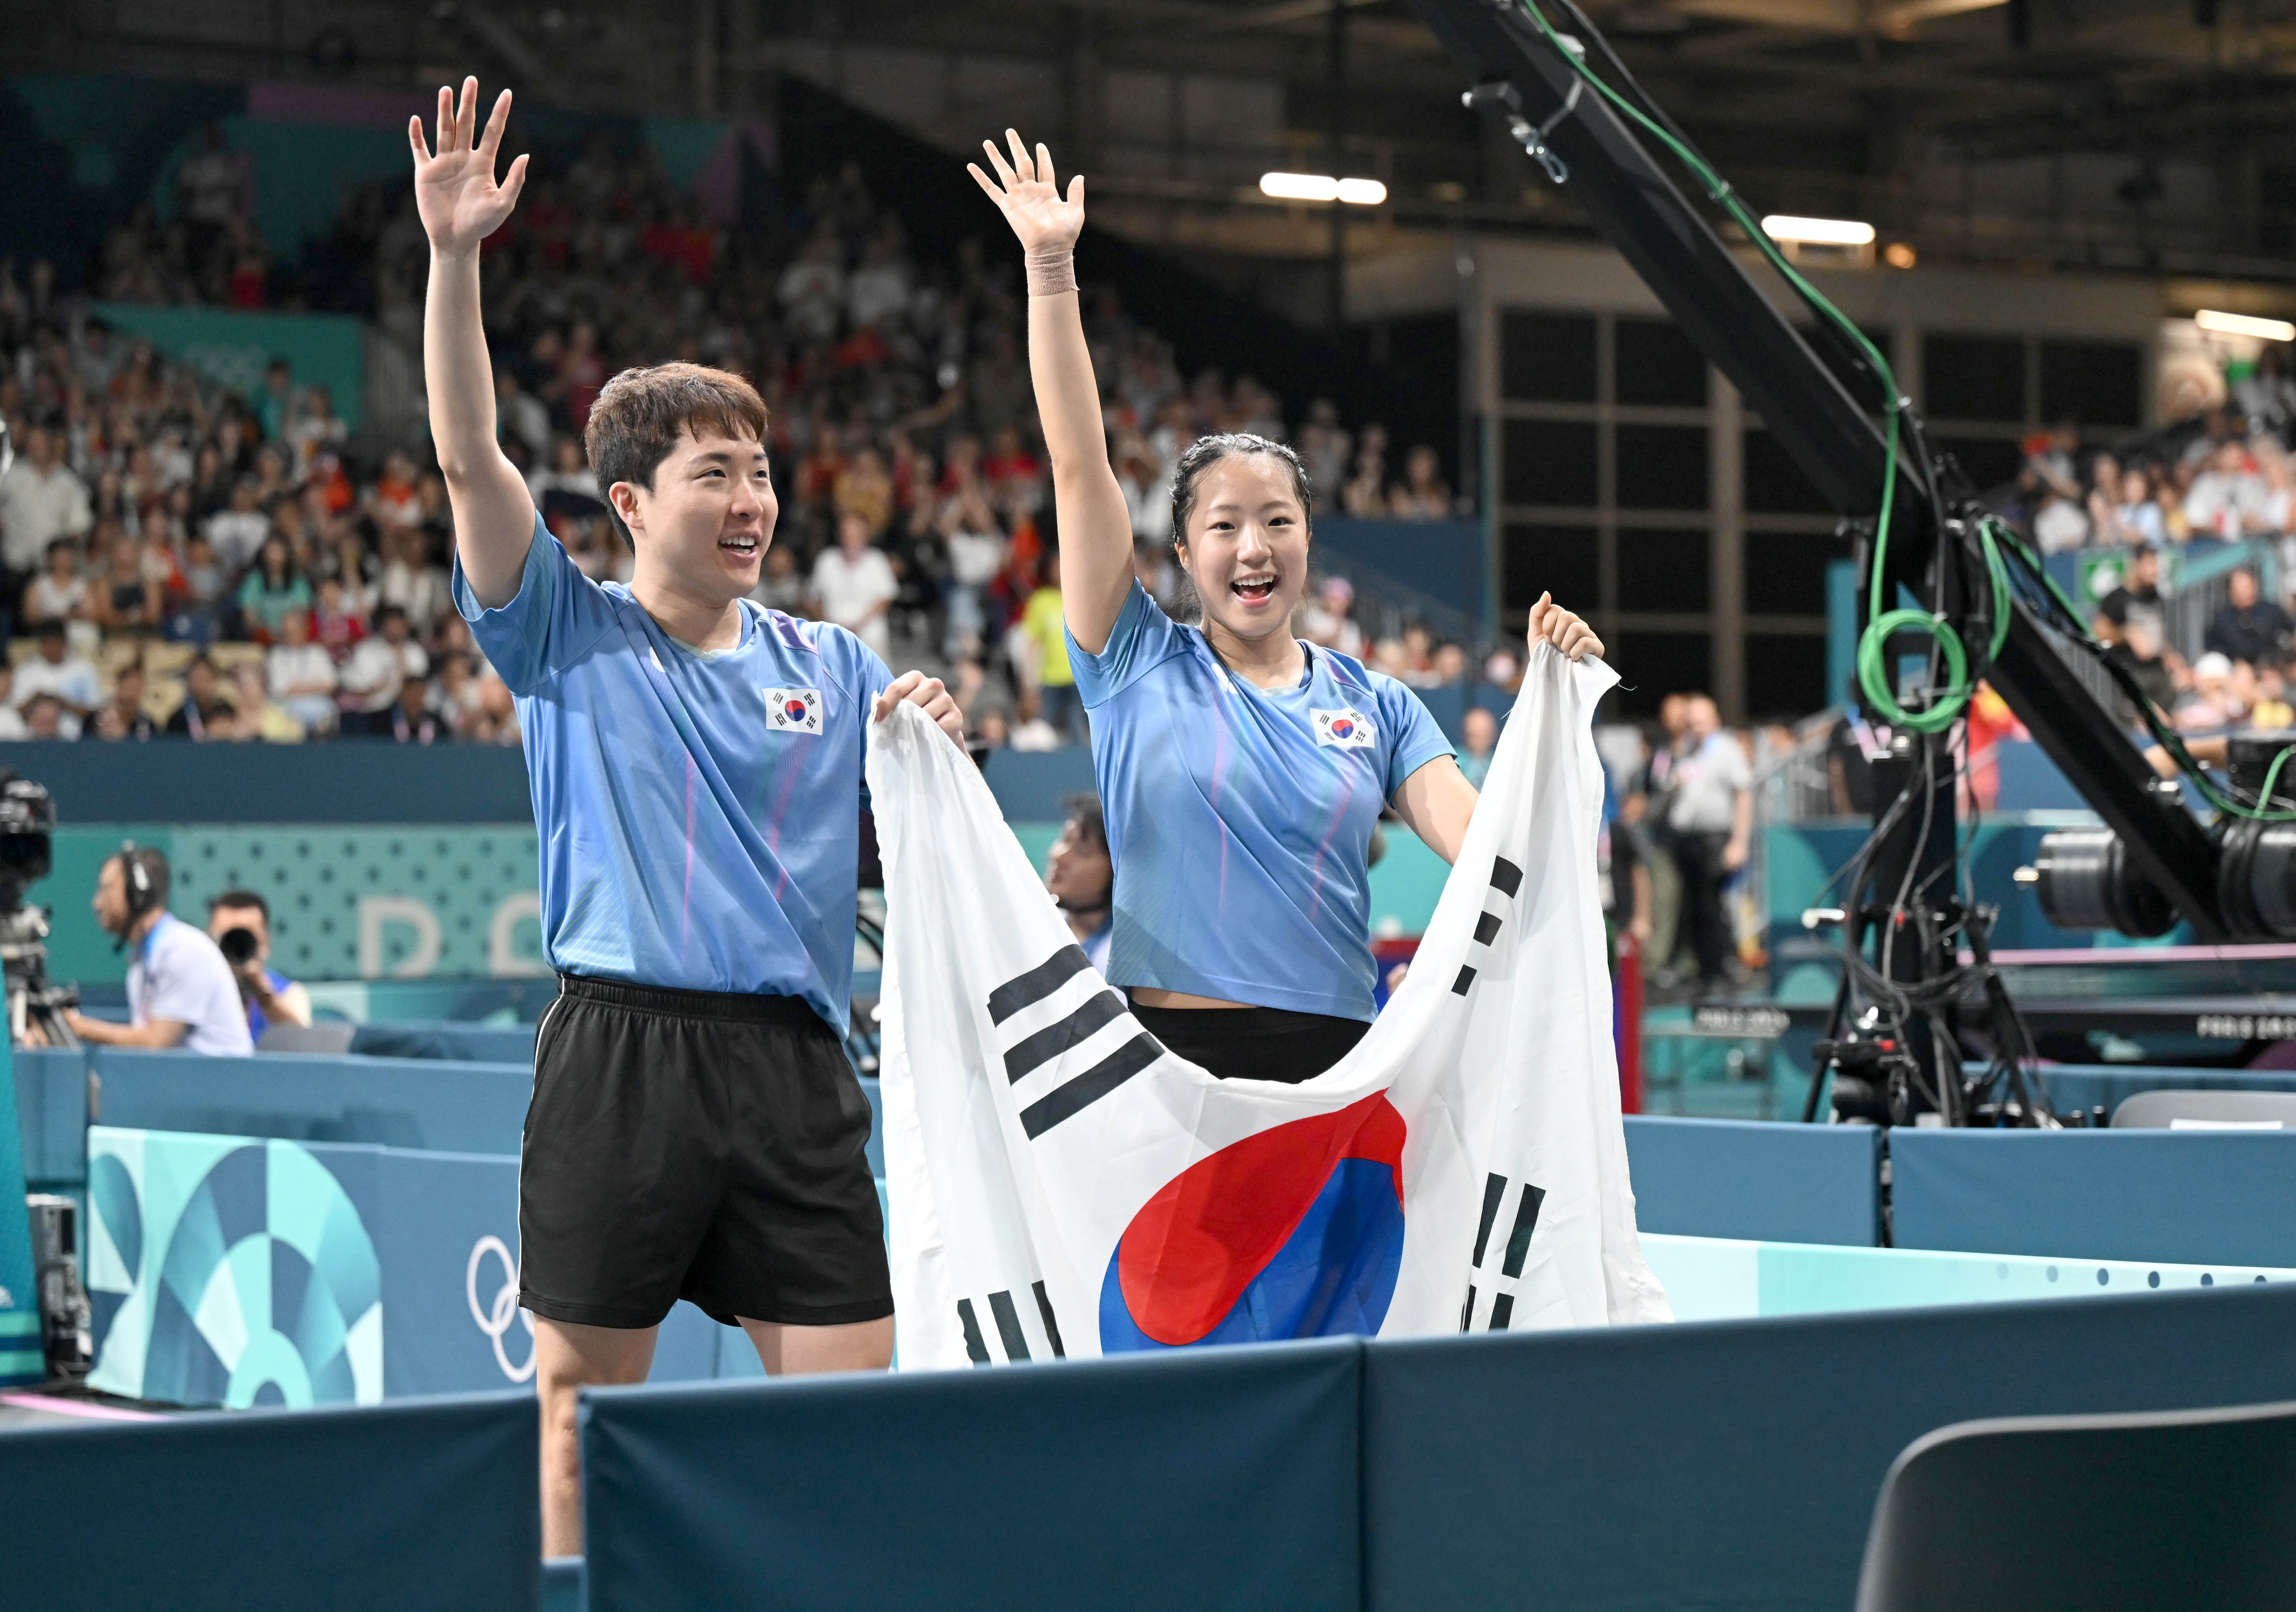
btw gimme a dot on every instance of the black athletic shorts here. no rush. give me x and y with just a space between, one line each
686 1144
1254 1044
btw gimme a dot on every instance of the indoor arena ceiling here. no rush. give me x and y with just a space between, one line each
2109 132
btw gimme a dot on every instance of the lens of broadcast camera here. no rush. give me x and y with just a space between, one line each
2086 881
239 946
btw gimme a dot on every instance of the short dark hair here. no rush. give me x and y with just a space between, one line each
637 419
154 864
239 898
1084 810
53 627
1205 452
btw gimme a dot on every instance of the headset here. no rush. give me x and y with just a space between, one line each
143 896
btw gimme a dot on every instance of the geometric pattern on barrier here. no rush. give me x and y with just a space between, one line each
228 1272
411 903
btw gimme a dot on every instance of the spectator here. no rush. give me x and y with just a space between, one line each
2211 707
458 700
1423 494
127 602
205 713
60 593
2133 516
1082 879
252 714
180 990
40 500
410 579
2131 620
275 588
64 676
779 586
2227 499
854 586
1328 622
123 715
2266 396
13 726
2248 627
1710 814
412 721
301 676
1047 631
239 921
520 416
44 718
2058 524
370 679
1365 493
237 534
1479 733
198 601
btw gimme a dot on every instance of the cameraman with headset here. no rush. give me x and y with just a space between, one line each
181 993
240 923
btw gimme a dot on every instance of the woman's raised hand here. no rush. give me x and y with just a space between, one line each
454 191
1030 198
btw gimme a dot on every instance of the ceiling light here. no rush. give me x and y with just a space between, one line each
1321 187
2241 324
1817 231
1899 255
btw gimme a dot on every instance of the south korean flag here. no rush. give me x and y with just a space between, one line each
792 710
1344 729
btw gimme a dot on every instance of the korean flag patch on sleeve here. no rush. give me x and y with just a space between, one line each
792 710
1344 729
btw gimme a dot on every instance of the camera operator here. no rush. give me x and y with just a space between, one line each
240 922
180 991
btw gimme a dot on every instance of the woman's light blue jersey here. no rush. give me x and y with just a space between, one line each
699 812
1240 818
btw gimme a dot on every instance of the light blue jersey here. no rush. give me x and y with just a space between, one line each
699 812
1240 818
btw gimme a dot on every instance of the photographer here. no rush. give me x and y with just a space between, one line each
180 991
240 922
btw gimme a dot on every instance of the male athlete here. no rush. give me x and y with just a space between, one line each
695 760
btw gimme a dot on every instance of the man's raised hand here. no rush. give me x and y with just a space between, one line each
454 191
1029 197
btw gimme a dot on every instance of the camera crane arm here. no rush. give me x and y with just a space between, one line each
1830 437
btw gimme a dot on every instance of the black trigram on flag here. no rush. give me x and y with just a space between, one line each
1044 1050
1507 879
1499 1265
1011 1337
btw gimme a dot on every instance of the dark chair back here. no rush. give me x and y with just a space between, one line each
2140 1512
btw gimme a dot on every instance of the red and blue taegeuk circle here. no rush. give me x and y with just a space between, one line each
1296 1232
1341 728
794 709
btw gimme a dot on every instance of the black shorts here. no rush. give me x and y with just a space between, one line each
1254 1044
684 1144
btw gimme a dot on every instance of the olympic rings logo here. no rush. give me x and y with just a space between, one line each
496 1323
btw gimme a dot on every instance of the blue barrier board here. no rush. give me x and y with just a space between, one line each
1215 1479
2192 1197
429 1504
1744 1178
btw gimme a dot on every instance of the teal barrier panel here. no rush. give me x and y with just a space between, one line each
241 1271
1727 1279
442 1039
2194 1197
1199 1478
51 1114
1745 1178
429 1504
1733 1465
398 1102
22 1355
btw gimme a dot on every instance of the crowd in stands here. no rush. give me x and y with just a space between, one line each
270 577
2232 480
